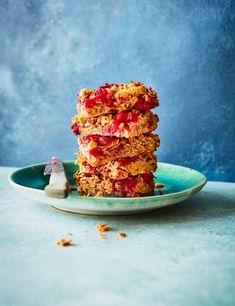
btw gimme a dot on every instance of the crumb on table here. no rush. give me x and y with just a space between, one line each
101 235
64 242
122 235
102 227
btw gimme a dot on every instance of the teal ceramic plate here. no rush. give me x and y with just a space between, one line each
179 182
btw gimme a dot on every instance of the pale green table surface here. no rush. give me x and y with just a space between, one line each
180 255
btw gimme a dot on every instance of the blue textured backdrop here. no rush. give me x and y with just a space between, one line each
185 49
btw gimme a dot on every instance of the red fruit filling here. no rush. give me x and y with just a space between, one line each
96 152
127 160
89 167
127 186
147 177
126 117
105 140
75 129
122 117
141 104
86 139
100 140
100 95
150 122
92 169
92 120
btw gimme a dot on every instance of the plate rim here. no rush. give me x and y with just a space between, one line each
199 186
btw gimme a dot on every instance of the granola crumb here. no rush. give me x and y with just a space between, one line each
122 235
102 227
64 242
159 185
101 235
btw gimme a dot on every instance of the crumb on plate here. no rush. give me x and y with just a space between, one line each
159 185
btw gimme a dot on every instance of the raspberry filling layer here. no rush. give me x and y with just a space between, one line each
141 104
126 117
104 168
126 161
128 185
100 140
100 95
121 162
122 117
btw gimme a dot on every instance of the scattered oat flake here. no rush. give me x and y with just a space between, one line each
64 242
122 235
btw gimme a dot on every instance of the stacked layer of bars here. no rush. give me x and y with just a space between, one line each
116 155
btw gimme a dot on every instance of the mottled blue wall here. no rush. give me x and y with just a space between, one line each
185 49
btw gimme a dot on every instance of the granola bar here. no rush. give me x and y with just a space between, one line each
123 124
111 98
123 167
97 185
99 150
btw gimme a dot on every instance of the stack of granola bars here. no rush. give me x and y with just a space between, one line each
116 154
